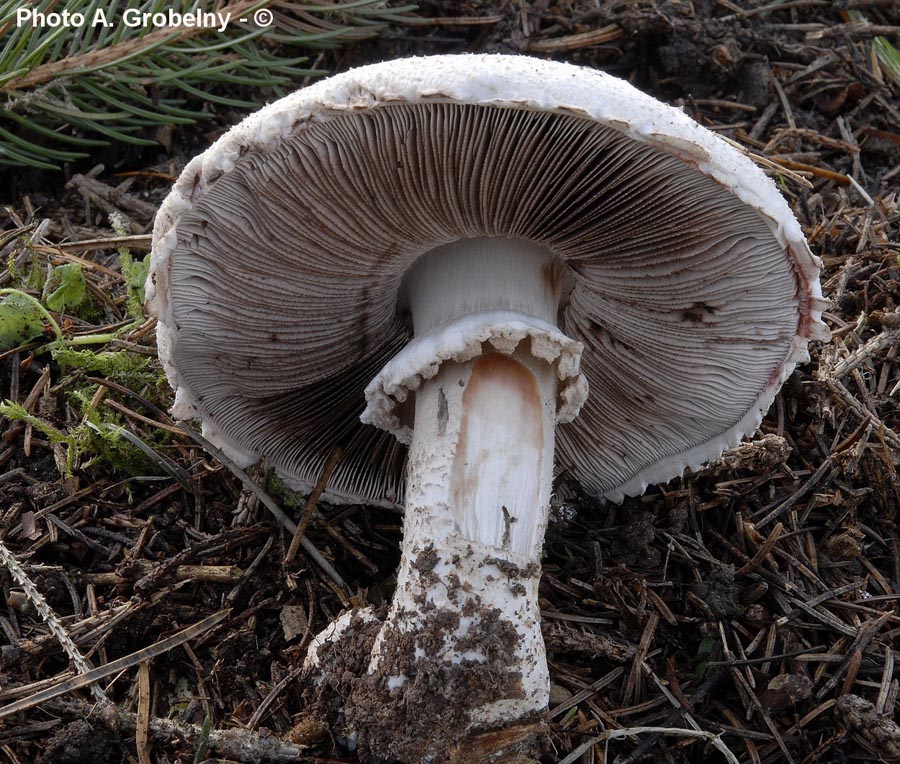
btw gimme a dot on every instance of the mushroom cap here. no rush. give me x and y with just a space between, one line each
278 255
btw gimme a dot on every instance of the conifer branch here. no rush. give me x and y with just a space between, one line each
64 90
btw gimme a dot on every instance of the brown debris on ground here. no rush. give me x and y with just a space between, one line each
754 609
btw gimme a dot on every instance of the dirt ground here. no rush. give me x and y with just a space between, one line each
755 601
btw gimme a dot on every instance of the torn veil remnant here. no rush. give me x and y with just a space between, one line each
454 249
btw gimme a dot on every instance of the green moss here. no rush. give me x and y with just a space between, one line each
15 412
286 497
117 364
89 443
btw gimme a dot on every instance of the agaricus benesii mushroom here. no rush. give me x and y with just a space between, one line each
454 250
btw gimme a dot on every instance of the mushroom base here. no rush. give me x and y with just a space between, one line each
460 653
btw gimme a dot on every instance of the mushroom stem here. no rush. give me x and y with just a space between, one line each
461 648
485 273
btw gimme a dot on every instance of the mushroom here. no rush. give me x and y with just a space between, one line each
452 249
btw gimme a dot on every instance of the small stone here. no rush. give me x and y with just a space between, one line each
786 690
293 622
845 546
307 731
558 695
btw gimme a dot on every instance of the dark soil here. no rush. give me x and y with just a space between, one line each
76 743
429 716
342 662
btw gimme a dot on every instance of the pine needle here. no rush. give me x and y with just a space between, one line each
887 55
617 734
88 678
65 89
